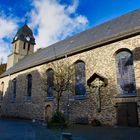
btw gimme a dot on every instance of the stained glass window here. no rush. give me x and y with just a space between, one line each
80 78
125 73
50 82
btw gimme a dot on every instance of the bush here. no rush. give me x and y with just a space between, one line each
58 117
57 121
96 122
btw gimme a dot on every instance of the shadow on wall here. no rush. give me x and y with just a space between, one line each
26 98
136 54
29 103
23 97
20 101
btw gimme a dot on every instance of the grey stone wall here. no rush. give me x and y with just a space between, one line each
100 60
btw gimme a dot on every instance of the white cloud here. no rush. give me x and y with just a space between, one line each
4 50
72 8
7 29
54 21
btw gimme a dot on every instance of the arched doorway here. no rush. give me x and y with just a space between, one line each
48 112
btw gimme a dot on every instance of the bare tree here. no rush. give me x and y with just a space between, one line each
63 77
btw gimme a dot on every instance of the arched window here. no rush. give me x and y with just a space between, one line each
125 73
50 82
24 45
2 90
15 47
80 78
14 88
28 47
29 85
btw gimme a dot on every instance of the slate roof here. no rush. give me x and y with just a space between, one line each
118 28
22 33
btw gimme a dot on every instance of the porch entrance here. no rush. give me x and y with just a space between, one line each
127 114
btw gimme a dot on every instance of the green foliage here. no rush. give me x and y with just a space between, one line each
57 121
96 122
58 117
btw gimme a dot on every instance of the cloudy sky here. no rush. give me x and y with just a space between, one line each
54 20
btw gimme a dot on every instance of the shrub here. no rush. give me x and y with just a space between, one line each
58 117
57 121
96 122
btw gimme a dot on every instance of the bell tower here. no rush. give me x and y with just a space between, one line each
22 45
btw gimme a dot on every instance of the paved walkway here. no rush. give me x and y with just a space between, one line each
107 133
26 130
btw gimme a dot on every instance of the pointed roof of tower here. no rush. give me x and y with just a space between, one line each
24 34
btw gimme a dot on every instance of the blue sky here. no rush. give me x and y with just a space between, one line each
54 20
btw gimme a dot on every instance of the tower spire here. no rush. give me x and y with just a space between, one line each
22 45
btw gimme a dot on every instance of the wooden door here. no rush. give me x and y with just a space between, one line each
127 114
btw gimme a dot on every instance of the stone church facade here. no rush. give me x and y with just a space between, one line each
106 86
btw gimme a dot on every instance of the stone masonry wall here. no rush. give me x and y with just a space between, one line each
100 60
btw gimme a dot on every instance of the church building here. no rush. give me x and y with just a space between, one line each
105 85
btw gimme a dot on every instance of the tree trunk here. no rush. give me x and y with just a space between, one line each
58 102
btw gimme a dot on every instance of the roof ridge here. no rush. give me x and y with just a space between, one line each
123 26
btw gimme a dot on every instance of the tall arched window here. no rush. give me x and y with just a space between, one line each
28 47
14 88
29 85
2 90
80 78
24 45
125 73
50 82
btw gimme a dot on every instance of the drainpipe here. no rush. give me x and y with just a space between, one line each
68 95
